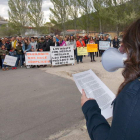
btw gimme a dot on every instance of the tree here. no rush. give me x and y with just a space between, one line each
35 13
86 9
18 14
73 9
59 14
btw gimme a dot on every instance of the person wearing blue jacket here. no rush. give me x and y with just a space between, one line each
126 106
26 47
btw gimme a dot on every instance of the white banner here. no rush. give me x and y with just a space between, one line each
62 55
10 60
38 58
104 45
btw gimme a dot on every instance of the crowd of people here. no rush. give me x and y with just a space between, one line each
18 46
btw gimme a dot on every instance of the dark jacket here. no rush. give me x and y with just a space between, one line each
19 50
8 46
53 43
14 53
41 45
3 52
126 116
48 44
116 43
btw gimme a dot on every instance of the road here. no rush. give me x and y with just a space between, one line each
35 104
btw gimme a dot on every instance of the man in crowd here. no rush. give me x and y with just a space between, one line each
57 38
33 44
7 44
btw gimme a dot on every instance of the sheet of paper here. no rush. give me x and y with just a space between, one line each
96 89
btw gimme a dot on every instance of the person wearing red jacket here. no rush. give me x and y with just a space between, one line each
80 43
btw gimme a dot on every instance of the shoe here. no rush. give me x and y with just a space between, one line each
28 67
91 60
13 68
7 69
94 60
21 66
81 62
77 62
3 69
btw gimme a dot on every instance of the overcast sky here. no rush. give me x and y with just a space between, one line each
45 8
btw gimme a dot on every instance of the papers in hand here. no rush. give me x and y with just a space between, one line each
96 89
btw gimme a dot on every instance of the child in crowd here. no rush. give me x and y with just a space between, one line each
19 54
3 53
14 54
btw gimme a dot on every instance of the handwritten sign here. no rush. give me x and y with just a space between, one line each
82 51
104 45
38 58
10 60
62 55
92 47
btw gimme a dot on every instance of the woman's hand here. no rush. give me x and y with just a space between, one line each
84 98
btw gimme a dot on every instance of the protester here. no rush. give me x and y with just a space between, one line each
97 39
48 44
73 43
126 114
91 41
14 42
13 54
67 41
3 53
80 43
116 42
33 44
7 44
20 54
41 45
57 38
62 42
26 47
54 43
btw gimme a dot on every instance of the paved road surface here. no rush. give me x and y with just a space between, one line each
35 104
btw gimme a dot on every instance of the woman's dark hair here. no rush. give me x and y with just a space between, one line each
131 44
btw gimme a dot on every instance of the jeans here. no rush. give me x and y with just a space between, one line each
19 57
79 58
3 64
92 55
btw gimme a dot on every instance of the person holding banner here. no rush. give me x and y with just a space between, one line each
54 42
91 41
62 42
14 54
80 43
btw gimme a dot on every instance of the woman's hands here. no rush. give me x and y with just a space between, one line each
84 98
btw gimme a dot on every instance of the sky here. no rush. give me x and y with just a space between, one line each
45 8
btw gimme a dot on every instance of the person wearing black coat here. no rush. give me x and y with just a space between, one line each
54 43
7 44
41 45
116 42
48 44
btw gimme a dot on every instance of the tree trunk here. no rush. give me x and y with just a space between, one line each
100 24
117 30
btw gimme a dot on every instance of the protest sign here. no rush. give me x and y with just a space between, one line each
104 45
92 47
62 55
38 58
10 60
82 51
